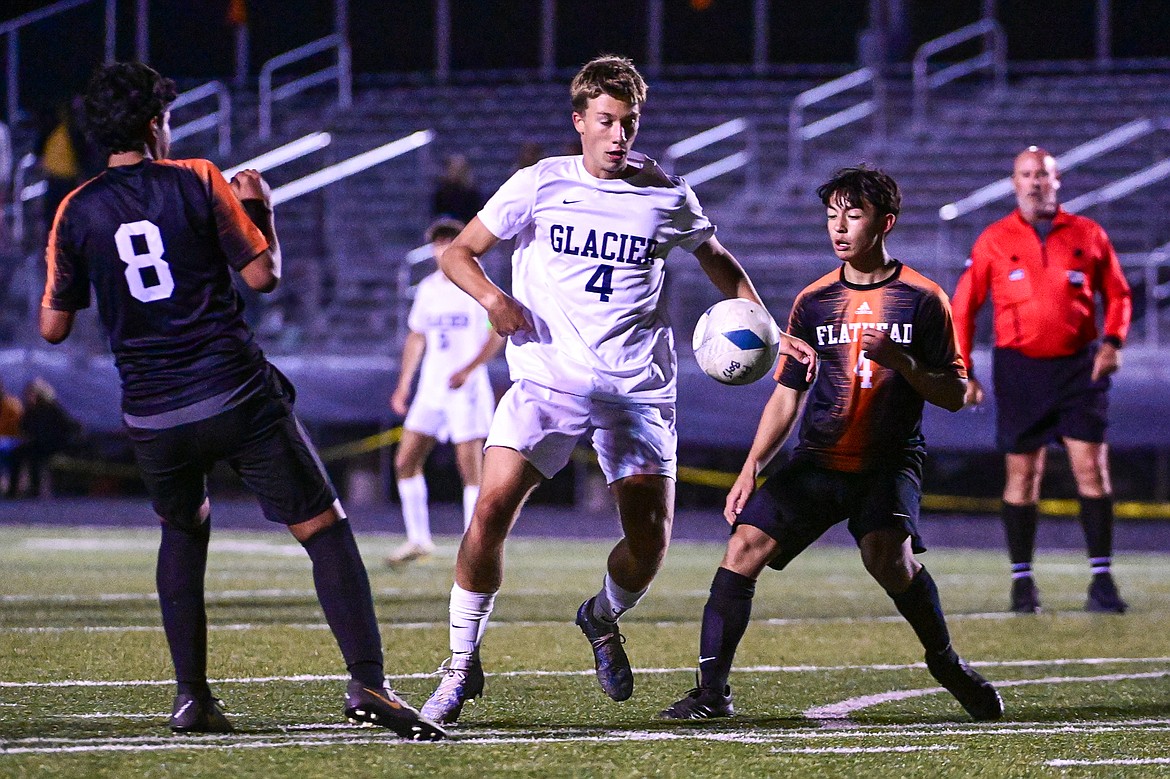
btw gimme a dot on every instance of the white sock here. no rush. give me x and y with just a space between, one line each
470 495
613 601
469 618
413 494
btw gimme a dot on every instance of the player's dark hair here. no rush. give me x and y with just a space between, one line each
855 187
121 100
611 75
444 229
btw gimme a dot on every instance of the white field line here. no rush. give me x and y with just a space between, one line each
862 750
1117 761
533 673
843 709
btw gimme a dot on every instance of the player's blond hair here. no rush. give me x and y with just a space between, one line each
611 75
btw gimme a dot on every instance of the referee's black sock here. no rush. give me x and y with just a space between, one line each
1019 527
182 560
1097 522
725 618
920 606
343 588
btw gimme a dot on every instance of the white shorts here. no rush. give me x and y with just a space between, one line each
545 425
456 415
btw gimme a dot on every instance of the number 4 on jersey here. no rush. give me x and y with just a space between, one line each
137 262
601 282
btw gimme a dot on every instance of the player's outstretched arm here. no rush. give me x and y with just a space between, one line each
460 262
944 388
776 423
725 272
263 273
412 354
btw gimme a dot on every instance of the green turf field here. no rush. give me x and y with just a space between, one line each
828 682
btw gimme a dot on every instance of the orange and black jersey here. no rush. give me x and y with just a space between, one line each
859 415
155 240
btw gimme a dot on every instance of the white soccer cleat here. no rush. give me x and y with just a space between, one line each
409 552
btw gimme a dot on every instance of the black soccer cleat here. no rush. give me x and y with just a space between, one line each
381 707
609 658
462 681
971 690
1103 595
196 714
1025 596
701 703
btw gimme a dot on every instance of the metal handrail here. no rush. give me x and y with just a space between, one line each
23 193
799 132
993 57
342 72
219 120
1091 149
355 164
1120 188
731 162
1156 292
13 26
290 151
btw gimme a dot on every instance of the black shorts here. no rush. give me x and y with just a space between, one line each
801 501
1040 401
263 442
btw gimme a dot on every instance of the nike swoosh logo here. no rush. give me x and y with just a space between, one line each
383 698
705 660
571 202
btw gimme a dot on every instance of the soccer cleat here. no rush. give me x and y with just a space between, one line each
609 658
381 707
971 690
1025 596
701 703
193 714
462 680
409 552
1103 595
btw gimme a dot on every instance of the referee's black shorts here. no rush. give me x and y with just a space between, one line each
801 501
260 439
1039 401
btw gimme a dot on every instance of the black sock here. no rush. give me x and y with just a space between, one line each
182 560
1019 526
920 606
725 618
1097 522
343 588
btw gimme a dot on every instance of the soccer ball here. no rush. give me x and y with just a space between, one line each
736 341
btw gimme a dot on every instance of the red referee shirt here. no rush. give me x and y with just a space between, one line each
1042 291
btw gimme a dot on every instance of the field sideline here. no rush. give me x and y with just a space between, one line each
828 682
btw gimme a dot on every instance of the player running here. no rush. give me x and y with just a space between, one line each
590 352
156 238
885 344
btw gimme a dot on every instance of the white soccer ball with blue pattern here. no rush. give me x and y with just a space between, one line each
736 341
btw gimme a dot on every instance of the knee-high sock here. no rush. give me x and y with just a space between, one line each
613 600
1097 522
920 606
182 561
1019 527
725 618
469 619
343 589
413 494
470 496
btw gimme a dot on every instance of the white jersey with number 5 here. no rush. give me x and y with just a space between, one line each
588 266
456 328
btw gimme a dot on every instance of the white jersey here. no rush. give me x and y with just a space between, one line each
589 267
456 328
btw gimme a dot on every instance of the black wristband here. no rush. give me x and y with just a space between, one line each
1113 341
257 211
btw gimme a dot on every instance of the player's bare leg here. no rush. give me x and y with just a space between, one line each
413 450
1090 467
343 589
469 461
646 508
1021 492
888 557
508 480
